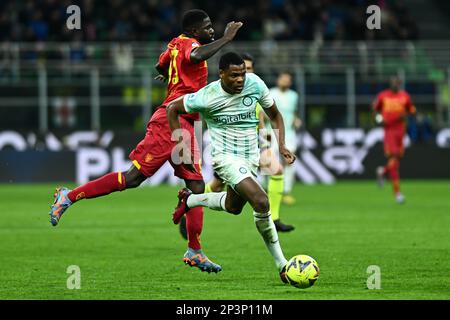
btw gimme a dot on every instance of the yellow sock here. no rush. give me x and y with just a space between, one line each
275 193
208 188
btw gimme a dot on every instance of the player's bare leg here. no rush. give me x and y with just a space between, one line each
269 165
215 185
249 190
183 228
380 174
111 182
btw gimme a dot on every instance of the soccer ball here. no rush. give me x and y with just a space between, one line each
302 271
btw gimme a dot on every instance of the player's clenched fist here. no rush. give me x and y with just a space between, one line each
231 30
287 155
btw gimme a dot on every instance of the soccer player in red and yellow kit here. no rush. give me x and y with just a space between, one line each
184 66
392 107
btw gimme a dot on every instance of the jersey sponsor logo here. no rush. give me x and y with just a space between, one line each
235 118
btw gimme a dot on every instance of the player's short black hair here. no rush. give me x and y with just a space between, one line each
247 56
192 18
228 59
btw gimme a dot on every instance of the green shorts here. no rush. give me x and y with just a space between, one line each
233 169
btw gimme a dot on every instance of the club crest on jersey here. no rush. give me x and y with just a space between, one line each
236 118
148 157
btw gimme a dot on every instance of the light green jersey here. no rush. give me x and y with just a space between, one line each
231 118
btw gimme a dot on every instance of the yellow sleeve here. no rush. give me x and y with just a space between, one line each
258 110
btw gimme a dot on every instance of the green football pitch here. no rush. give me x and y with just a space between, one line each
127 247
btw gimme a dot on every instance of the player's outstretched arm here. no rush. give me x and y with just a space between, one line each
276 120
206 51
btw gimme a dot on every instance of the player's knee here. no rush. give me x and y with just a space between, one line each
261 203
233 209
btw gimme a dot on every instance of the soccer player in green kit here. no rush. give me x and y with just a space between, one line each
228 107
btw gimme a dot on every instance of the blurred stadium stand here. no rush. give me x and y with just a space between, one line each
101 77
147 20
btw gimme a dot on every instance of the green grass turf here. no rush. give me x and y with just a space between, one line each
128 248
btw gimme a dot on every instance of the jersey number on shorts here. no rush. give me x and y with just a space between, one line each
173 70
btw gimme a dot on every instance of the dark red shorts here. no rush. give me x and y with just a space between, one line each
393 141
156 148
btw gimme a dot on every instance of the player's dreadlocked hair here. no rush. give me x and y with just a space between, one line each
247 56
228 59
192 18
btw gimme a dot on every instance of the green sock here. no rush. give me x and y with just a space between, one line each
275 193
